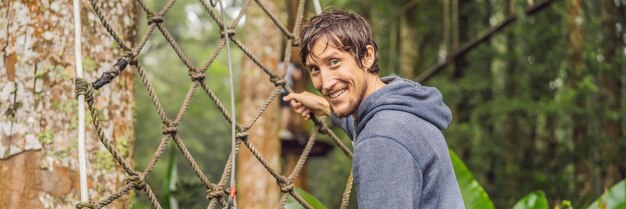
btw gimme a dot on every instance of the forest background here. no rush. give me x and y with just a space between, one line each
536 88
539 105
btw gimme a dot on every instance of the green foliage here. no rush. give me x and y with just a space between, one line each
103 160
614 198
534 200
517 100
310 199
46 137
566 204
89 65
473 193
171 179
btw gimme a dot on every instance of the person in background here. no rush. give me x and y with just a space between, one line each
294 72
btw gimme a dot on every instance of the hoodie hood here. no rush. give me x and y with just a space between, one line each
408 96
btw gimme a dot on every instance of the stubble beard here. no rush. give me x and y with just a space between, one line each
352 106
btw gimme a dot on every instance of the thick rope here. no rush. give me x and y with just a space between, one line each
156 156
303 157
261 110
215 192
346 193
107 26
194 166
275 20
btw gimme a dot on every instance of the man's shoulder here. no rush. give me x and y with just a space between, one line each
407 129
394 121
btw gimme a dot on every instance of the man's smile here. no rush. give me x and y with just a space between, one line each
336 94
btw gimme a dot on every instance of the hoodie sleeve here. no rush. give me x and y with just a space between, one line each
388 176
347 124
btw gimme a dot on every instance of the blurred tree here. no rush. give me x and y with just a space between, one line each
257 188
409 56
610 81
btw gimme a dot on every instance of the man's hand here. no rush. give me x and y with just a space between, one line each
305 103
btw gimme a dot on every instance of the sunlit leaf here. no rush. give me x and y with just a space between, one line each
473 193
534 200
310 199
614 198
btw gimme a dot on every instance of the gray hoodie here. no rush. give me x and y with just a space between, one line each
401 159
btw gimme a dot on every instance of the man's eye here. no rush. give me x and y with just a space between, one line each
334 62
313 70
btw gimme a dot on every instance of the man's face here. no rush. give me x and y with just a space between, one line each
337 76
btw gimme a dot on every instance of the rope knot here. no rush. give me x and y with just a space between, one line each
169 130
295 43
215 193
138 181
321 129
229 31
242 135
83 88
285 185
155 19
130 57
278 81
197 77
85 205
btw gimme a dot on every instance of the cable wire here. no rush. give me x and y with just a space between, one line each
82 162
232 108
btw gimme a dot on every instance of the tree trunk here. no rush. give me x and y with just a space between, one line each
409 43
513 131
38 129
611 85
257 188
582 146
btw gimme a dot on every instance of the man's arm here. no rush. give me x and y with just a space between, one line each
305 103
386 174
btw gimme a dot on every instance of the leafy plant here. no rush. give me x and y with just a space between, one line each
313 202
170 180
614 198
473 193
533 200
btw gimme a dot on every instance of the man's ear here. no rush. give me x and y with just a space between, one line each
368 59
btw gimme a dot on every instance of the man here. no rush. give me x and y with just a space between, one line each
401 159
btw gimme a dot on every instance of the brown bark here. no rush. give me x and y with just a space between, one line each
513 130
579 132
408 46
38 129
409 43
257 188
611 85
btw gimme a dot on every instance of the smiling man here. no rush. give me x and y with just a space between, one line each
401 159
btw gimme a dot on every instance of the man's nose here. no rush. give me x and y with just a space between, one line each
328 80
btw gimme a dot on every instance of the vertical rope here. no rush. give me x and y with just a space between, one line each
318 7
82 162
233 123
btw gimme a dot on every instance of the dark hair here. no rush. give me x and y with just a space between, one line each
345 30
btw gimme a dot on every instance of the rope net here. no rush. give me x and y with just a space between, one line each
216 192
